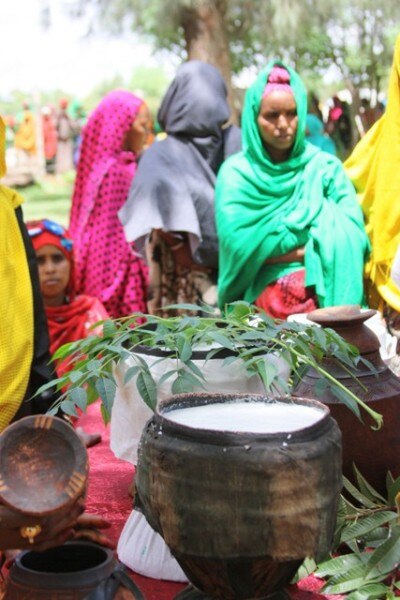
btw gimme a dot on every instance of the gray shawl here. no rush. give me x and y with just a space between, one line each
173 188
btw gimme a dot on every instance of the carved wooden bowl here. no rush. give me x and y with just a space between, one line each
43 465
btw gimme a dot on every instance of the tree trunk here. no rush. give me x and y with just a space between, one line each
354 111
206 39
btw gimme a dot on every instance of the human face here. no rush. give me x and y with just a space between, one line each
277 123
138 133
54 274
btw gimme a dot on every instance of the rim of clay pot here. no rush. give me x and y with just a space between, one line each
340 315
196 354
21 573
222 437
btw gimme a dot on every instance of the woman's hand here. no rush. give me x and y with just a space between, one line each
87 527
296 255
53 530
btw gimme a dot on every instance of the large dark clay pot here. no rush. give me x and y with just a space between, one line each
373 452
239 511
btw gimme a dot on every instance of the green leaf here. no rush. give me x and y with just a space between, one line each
68 408
307 568
75 376
386 557
94 365
221 339
321 386
375 537
106 390
366 524
105 414
147 388
109 328
62 351
52 384
179 385
192 307
393 489
320 336
370 591
193 367
338 565
366 488
348 581
91 393
363 500
79 397
166 376
346 399
192 381
267 371
130 373
240 310
184 348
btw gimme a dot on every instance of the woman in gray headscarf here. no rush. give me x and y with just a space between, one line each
170 210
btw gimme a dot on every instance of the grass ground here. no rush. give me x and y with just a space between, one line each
49 198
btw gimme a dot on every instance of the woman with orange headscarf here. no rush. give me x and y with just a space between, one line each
374 168
70 316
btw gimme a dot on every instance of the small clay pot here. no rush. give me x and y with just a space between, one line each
68 572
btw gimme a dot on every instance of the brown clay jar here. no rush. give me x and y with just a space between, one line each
373 452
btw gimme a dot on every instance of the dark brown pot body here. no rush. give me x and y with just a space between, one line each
373 452
239 511
69 572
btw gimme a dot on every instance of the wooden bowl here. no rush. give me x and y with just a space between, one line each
43 465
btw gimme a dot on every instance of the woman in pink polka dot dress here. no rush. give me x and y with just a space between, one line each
107 267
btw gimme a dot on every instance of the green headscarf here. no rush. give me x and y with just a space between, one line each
265 209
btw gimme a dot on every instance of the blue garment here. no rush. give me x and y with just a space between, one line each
315 134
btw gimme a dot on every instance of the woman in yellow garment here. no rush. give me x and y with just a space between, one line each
374 168
23 334
25 137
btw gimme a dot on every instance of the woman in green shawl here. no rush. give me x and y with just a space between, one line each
290 230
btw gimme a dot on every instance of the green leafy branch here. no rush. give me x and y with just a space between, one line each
242 333
366 558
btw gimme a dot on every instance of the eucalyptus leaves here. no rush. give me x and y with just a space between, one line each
243 333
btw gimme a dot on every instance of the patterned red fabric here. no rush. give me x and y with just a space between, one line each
71 322
106 265
287 296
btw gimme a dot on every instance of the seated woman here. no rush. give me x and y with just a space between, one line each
169 214
69 316
290 229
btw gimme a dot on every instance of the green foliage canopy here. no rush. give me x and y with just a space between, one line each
311 34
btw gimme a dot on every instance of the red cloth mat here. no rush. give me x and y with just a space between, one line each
109 480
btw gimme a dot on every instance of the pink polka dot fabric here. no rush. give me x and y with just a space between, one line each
106 265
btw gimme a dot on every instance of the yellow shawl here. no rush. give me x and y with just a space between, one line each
374 168
25 138
16 303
